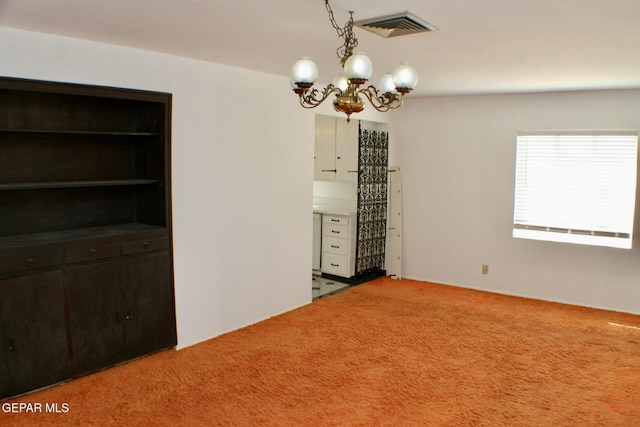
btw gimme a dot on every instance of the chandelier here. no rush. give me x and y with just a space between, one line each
349 86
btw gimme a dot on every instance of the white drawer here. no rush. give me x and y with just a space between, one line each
335 219
335 245
335 264
334 230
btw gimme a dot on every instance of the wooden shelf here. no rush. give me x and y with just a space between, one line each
75 132
76 184
27 240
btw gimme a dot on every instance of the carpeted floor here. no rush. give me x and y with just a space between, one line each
385 353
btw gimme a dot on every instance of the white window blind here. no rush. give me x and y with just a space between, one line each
576 188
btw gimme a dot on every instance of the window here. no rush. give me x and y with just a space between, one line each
576 188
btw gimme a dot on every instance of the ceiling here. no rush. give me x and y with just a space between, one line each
481 46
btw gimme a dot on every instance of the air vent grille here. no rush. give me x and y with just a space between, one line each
400 24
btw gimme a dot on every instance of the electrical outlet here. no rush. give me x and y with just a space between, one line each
485 269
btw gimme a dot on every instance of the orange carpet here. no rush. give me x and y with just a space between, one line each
385 353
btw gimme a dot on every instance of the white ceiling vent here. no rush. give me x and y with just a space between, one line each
399 24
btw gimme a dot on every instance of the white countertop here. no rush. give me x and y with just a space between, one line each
334 206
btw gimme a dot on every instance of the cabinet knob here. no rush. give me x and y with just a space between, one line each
145 245
129 316
31 262
92 252
12 345
118 317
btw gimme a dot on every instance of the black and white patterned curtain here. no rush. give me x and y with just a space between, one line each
372 200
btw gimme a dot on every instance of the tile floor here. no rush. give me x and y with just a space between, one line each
324 287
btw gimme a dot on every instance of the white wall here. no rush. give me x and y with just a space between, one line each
457 156
243 182
242 174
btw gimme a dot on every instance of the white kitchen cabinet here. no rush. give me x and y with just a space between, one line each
339 245
317 240
347 142
324 154
336 149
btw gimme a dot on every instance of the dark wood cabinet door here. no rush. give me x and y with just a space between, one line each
35 341
4 370
96 315
149 301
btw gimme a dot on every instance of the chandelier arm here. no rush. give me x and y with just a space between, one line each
310 98
383 102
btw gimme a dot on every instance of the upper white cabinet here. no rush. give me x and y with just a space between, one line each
347 142
324 154
336 149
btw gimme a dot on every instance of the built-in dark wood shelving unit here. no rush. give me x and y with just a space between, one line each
86 271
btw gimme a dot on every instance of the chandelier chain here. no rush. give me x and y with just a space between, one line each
346 32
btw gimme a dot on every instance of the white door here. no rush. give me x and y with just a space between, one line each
394 225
